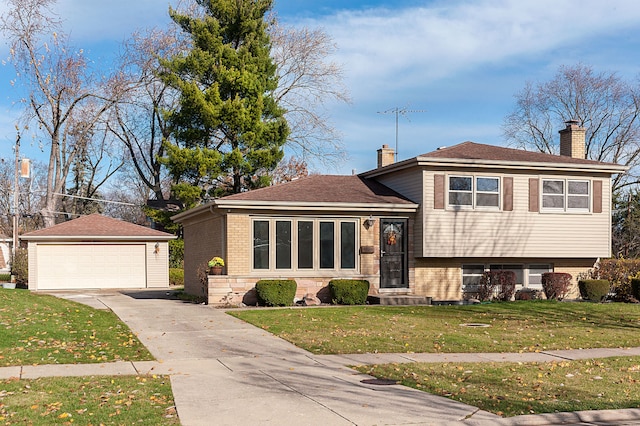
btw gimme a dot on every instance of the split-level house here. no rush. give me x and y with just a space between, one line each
427 226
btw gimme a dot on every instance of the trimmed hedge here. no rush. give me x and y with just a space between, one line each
20 266
594 290
497 285
528 294
635 288
619 273
556 285
349 292
276 292
176 276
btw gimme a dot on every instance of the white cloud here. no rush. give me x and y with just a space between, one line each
429 43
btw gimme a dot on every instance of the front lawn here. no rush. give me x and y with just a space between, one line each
41 329
511 389
513 327
507 389
88 401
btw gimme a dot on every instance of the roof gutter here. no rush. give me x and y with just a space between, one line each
498 164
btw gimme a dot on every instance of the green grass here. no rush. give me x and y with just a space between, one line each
5 278
41 329
510 389
121 400
514 327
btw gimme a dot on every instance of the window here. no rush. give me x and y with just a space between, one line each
565 195
304 244
471 276
535 275
261 244
526 275
474 192
283 244
327 245
516 269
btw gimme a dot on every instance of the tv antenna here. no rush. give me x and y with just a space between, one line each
398 112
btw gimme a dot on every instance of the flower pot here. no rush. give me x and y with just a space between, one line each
215 270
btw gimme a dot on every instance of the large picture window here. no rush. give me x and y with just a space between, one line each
562 195
304 244
474 191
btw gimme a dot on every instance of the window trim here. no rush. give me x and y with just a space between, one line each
565 196
316 269
475 192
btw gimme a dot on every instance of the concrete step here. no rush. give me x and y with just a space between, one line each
399 300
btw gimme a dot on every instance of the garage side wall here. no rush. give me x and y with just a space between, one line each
33 265
157 264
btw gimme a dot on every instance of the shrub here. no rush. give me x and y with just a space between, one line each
176 253
528 294
556 285
20 266
349 292
276 292
5 278
594 290
619 273
176 276
635 288
497 285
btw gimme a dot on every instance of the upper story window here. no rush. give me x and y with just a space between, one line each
304 244
474 191
566 195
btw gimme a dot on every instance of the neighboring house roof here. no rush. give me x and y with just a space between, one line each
97 227
316 192
473 154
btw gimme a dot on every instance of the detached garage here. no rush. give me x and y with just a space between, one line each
97 252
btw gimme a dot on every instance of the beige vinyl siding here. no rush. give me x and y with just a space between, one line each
410 183
517 233
157 264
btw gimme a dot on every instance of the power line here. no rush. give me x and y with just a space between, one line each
398 112
95 199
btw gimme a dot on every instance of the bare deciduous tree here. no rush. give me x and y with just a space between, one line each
603 103
308 82
138 119
62 96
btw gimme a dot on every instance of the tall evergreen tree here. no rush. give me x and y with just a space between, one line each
229 130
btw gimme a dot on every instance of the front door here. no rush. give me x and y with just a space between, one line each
393 253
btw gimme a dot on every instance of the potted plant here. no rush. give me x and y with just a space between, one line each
215 266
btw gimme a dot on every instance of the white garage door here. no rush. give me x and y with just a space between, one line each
91 266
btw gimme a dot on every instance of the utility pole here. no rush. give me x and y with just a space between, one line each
399 111
16 192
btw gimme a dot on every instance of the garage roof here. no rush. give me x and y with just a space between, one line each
96 227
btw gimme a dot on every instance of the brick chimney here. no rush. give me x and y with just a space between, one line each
572 140
386 156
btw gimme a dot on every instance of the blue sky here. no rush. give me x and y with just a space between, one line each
461 62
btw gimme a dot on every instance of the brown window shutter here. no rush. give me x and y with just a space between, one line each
534 197
597 196
438 191
507 196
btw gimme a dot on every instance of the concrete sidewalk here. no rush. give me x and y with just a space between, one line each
226 372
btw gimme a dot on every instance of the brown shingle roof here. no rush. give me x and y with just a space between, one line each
478 151
96 225
325 189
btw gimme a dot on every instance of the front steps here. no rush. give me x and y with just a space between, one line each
398 300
